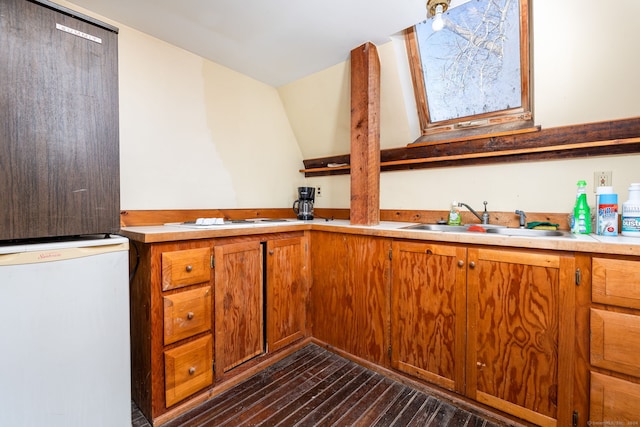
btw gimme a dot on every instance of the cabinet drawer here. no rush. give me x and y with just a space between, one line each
183 268
613 401
616 282
188 369
615 341
186 314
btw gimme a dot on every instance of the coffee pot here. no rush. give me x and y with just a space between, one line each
303 207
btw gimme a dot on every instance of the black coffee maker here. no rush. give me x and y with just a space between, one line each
303 207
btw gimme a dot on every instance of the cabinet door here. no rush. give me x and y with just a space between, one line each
286 290
521 316
428 307
349 297
238 304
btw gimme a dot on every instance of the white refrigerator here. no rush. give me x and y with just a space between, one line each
64 333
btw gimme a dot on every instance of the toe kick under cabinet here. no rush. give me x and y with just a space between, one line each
202 309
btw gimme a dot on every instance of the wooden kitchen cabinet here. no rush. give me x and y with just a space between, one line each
198 310
260 294
615 341
487 323
521 318
286 292
428 312
171 323
350 292
239 317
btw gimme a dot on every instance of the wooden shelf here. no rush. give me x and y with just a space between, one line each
586 140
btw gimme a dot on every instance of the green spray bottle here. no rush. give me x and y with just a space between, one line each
581 223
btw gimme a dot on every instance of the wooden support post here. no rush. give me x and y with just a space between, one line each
365 135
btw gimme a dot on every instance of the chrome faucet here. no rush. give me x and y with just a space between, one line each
484 219
523 217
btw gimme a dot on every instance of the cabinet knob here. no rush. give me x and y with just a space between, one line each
189 268
472 264
190 315
271 252
460 263
192 370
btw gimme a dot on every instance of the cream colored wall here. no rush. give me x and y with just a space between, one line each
194 134
585 70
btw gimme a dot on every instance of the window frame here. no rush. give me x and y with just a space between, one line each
484 123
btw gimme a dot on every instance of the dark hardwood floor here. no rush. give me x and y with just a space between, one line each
314 387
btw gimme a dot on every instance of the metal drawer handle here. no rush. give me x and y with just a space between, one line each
190 315
192 370
189 269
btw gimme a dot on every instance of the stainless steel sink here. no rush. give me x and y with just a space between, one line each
526 232
453 228
490 229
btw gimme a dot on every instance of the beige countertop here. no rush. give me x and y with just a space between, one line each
615 245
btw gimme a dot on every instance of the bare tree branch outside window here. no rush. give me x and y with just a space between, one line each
472 66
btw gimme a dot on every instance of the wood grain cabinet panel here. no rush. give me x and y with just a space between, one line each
521 317
186 314
616 282
428 312
186 267
163 321
349 296
188 369
286 291
614 402
238 306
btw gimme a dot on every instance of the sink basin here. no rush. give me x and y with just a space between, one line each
490 229
437 227
454 228
526 232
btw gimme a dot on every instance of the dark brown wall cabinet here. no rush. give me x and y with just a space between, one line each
59 158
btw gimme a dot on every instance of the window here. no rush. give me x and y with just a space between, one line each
474 73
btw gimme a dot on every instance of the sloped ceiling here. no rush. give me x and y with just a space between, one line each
273 41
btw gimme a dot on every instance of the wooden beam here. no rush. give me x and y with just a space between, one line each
614 137
365 135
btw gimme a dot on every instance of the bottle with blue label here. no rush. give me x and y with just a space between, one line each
631 213
581 212
606 212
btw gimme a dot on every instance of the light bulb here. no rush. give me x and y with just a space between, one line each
438 22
